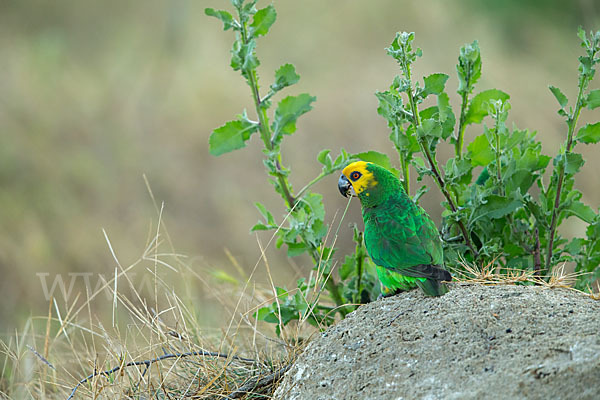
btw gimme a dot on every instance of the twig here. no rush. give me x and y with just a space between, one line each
147 363
257 383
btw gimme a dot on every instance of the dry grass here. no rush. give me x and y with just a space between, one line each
154 346
491 274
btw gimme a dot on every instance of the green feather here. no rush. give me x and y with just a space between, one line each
400 237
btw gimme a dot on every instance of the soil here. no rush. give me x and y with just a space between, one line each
475 342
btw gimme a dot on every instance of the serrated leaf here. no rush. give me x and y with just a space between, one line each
224 16
582 211
262 21
288 111
480 151
559 95
496 207
572 162
243 57
429 128
231 136
589 133
315 202
593 99
478 106
434 84
285 76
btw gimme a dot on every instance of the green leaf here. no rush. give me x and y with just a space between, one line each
295 249
582 211
259 226
263 19
231 136
478 106
265 213
323 159
434 84
243 57
593 99
468 67
315 202
572 162
429 128
496 207
376 157
224 16
285 76
560 97
480 151
288 111
589 133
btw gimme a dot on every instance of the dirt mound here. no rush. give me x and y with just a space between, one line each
475 342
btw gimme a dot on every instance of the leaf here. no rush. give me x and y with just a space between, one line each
446 116
560 97
572 162
429 128
263 19
285 76
265 213
480 151
295 249
434 84
315 202
496 207
224 16
478 106
582 211
589 133
243 57
323 159
593 99
348 268
288 111
468 67
375 157
259 226
231 136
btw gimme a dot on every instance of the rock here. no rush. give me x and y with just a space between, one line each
475 342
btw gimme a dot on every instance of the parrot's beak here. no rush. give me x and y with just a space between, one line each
345 186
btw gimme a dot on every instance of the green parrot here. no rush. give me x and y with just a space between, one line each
400 237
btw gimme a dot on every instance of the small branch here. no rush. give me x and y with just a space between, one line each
572 123
458 146
537 263
257 383
148 363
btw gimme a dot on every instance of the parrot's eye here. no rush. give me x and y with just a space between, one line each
355 175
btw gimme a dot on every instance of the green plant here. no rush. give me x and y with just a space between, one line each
499 216
303 230
506 214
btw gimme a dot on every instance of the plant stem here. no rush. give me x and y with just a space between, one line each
572 123
433 165
405 173
458 146
263 122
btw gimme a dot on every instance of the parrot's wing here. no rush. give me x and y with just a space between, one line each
405 240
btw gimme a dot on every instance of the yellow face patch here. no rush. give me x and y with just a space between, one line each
359 176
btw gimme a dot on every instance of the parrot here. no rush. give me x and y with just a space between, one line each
399 235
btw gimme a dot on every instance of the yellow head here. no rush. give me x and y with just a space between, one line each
358 176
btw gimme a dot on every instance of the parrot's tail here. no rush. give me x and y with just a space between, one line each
433 286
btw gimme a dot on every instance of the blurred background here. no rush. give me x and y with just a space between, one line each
96 95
